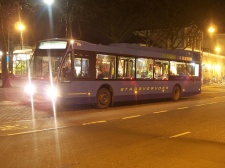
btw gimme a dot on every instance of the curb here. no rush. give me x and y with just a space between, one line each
7 103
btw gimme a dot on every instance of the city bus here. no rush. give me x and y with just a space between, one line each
79 72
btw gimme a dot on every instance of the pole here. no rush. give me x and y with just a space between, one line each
68 20
21 39
202 58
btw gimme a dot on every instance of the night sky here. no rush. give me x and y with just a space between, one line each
202 12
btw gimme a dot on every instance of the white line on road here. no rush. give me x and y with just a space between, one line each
181 108
163 111
178 135
124 118
34 131
213 103
200 105
95 122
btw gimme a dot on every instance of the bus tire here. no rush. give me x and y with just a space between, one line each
176 94
103 98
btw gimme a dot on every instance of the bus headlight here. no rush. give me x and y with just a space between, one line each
52 92
30 89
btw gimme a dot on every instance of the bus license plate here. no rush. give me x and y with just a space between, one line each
39 97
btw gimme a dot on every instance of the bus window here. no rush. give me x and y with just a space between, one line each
81 67
161 70
65 73
45 65
144 68
193 69
126 67
179 69
105 66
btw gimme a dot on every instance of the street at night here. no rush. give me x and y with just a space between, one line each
188 133
112 84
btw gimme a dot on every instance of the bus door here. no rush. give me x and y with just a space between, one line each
74 76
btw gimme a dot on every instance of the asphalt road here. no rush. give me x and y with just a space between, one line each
188 133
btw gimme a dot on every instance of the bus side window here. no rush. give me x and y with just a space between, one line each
161 70
105 66
65 73
81 68
144 68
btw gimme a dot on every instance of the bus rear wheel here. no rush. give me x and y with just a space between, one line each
176 94
103 98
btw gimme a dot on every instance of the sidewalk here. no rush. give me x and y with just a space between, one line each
14 94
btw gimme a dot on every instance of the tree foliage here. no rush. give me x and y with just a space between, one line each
114 19
164 23
9 12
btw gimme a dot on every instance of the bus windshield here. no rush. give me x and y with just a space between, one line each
47 58
43 67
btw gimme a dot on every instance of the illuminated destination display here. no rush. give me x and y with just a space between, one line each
171 56
52 45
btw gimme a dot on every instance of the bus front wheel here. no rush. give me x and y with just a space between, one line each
176 94
103 98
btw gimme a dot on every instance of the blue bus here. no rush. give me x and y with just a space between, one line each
64 70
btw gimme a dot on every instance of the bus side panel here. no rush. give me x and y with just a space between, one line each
80 92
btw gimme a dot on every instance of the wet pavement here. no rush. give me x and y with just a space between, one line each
15 115
14 94
12 106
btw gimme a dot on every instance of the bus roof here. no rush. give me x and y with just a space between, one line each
128 49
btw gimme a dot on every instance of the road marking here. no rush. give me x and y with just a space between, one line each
163 111
11 127
181 108
200 105
35 131
95 122
212 103
124 118
178 135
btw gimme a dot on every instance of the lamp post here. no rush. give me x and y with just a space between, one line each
21 27
68 16
217 49
49 2
68 20
50 17
211 30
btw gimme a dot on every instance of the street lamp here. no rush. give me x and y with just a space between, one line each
49 2
50 16
1 53
217 49
68 17
211 29
21 27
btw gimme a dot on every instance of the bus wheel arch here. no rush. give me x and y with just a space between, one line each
176 92
104 97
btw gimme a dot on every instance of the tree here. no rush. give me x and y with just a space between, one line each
114 20
4 41
164 22
9 14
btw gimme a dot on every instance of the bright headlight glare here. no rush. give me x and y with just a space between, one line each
29 89
52 92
